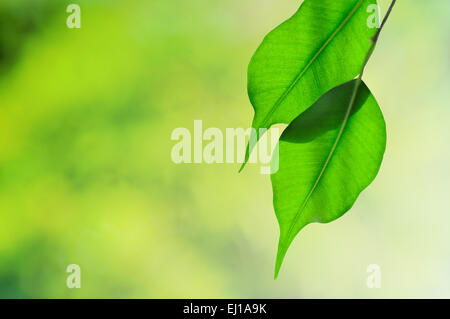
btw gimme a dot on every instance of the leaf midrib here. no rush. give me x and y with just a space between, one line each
314 58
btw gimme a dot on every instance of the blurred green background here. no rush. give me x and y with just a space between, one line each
86 176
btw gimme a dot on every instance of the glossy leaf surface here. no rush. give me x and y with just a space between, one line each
320 47
327 156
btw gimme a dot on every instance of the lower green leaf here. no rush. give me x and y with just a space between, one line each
327 156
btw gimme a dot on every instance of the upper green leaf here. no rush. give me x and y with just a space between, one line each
327 156
320 47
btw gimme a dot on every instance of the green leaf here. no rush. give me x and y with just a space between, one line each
322 46
327 156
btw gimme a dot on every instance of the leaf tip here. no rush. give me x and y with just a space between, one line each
277 271
280 257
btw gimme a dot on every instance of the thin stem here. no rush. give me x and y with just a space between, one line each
375 38
388 13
